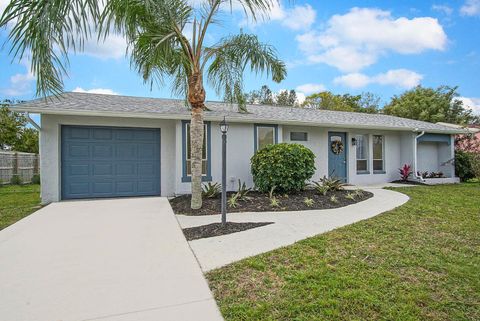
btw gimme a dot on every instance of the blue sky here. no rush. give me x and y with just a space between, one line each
384 47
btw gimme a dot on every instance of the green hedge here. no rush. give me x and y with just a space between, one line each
286 167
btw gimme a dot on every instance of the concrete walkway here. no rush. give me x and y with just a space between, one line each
115 260
289 228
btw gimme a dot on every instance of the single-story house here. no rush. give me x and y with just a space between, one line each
95 145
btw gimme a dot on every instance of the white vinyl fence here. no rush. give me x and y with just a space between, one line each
25 165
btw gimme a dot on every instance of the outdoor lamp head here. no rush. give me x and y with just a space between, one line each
224 126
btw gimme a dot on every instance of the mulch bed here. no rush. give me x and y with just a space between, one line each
260 202
408 182
216 229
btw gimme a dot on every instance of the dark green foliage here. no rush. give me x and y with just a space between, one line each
431 105
364 103
16 180
285 167
464 165
36 179
14 134
211 190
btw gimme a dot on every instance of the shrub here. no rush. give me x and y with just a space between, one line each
464 165
284 166
476 165
405 172
36 179
16 180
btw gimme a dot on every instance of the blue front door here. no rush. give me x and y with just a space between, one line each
337 155
110 162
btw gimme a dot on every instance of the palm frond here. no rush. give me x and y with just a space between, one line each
229 59
44 32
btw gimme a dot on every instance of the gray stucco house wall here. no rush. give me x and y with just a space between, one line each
400 145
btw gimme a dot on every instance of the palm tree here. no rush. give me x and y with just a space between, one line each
158 47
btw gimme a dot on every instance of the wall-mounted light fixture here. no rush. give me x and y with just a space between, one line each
354 141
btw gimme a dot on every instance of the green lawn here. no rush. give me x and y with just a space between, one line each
418 262
16 202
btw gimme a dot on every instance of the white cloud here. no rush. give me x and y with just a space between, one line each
300 17
470 8
310 88
113 47
443 8
20 83
357 39
402 78
471 103
103 91
353 80
296 18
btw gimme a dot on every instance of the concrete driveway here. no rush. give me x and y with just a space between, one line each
118 260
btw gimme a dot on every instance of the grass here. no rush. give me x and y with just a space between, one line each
420 261
16 202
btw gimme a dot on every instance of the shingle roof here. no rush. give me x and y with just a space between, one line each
126 106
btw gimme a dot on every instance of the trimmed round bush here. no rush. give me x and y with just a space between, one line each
285 167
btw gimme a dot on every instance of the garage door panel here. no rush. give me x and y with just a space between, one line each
126 169
78 133
126 151
105 187
103 151
102 169
146 186
78 169
110 162
102 133
77 151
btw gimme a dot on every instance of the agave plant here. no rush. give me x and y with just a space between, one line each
211 190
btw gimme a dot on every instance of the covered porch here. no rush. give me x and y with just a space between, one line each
435 159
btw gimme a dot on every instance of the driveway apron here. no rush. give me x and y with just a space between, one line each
118 259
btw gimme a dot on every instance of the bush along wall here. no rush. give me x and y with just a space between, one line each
283 167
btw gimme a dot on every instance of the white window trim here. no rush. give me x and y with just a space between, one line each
367 171
382 171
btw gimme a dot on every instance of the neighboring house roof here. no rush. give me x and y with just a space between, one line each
126 106
470 128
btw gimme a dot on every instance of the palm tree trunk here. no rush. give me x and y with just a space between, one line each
196 98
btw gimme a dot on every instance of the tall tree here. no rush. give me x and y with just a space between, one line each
364 103
159 48
430 104
14 135
286 98
264 96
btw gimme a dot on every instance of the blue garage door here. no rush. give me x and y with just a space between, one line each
110 162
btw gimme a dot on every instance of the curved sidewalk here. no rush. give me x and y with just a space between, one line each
289 228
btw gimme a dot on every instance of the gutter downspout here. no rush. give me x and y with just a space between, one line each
415 143
32 122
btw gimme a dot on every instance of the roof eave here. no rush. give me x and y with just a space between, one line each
238 119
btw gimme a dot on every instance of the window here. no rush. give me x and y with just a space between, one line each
298 136
378 153
362 153
187 150
265 135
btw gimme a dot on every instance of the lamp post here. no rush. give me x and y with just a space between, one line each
224 130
